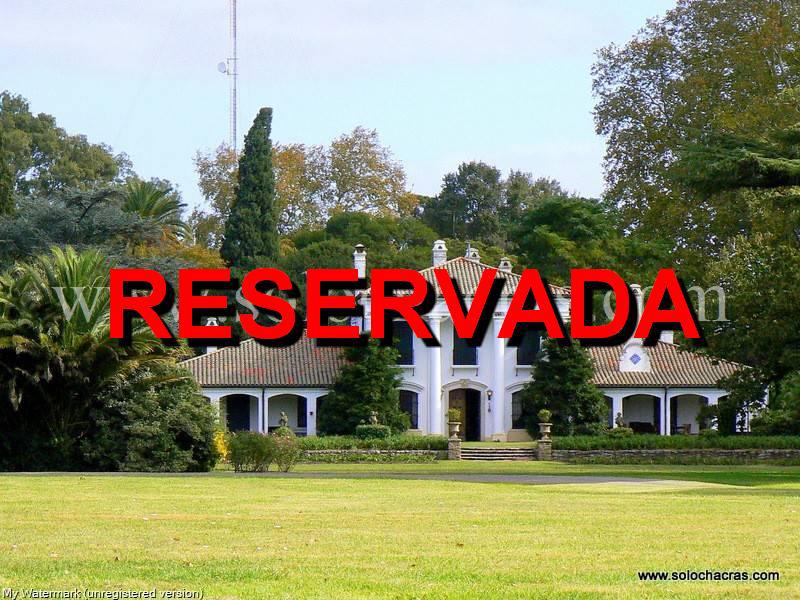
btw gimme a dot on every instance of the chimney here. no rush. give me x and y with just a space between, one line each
360 260
667 336
472 253
505 265
639 296
439 253
212 322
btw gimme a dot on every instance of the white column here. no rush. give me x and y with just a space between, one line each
435 380
498 383
663 425
311 415
667 414
616 408
260 403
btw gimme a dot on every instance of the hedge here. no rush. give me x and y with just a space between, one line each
651 441
394 442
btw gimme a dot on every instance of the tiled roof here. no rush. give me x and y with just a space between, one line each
303 364
670 366
468 272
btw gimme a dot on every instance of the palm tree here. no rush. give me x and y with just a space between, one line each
55 358
158 203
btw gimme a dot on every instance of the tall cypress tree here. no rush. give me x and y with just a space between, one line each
6 181
251 234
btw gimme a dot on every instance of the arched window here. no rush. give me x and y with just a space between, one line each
409 404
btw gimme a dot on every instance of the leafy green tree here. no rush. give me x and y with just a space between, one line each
469 204
151 420
723 161
562 383
561 234
217 173
303 186
44 158
522 193
759 276
707 65
251 235
783 415
368 382
365 177
82 219
757 269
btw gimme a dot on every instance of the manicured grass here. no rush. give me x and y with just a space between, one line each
269 536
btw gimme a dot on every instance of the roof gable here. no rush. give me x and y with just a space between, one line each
670 366
467 273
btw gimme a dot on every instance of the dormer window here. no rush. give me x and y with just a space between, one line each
529 348
405 343
463 354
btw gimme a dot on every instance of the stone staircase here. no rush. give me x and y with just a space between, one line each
499 453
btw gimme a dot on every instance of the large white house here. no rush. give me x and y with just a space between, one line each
658 389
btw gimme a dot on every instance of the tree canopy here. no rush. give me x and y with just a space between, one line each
251 235
724 66
44 158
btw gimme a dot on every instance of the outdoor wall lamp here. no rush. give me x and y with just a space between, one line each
489 394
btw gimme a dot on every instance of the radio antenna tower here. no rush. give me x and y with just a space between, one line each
231 69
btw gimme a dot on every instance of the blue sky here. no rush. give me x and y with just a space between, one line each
443 81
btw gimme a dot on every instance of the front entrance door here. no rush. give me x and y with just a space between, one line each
468 401
237 412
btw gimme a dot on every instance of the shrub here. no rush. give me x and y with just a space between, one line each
454 415
544 415
153 420
782 417
619 432
286 451
251 452
284 431
356 456
221 444
369 432
652 441
709 434
395 442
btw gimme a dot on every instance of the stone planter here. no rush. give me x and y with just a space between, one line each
544 430
455 427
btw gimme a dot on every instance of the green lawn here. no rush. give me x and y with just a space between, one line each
267 536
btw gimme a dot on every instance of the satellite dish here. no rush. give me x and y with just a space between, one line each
222 67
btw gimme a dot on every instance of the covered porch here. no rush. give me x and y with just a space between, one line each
665 411
260 409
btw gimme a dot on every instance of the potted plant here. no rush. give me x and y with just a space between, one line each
545 424
454 421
